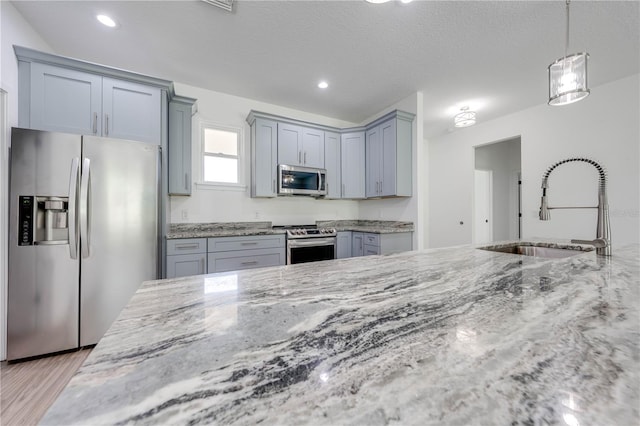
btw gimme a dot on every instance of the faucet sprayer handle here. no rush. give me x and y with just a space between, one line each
597 243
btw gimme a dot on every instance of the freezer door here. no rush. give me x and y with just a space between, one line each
43 294
118 214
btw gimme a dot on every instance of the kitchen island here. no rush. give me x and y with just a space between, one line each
445 336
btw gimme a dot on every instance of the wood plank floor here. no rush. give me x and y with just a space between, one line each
27 389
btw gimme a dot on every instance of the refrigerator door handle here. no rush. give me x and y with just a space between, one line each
73 195
85 207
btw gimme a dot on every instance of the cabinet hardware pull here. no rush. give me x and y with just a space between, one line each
186 246
249 244
342 193
106 124
186 181
299 156
274 186
253 262
95 123
202 264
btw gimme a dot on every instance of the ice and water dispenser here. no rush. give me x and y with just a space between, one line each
43 220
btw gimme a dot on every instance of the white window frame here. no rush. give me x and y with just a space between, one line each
222 186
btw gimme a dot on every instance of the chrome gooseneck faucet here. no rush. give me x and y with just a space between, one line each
602 243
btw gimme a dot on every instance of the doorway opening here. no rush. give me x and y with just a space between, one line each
497 211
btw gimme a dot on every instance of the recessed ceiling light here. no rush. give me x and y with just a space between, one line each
323 85
377 1
405 1
105 20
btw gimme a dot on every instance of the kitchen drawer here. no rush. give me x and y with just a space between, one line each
371 250
244 259
372 239
255 242
186 246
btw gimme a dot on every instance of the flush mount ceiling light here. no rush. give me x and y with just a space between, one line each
106 20
568 75
465 118
323 85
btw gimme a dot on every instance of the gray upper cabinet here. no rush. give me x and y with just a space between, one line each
82 98
300 146
313 148
353 165
130 111
181 110
289 144
332 163
361 162
264 156
63 100
388 156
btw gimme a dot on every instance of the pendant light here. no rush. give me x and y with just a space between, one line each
568 75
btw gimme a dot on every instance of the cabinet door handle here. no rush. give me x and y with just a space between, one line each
299 156
95 123
253 262
186 181
380 187
186 246
106 124
274 186
248 244
202 264
342 193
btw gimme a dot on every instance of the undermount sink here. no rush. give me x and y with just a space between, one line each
530 249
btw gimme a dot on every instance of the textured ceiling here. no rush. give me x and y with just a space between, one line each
491 54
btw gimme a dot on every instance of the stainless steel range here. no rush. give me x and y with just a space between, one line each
309 243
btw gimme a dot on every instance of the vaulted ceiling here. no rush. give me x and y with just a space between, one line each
491 55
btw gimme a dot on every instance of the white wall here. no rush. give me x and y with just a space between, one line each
405 209
503 159
13 30
603 127
211 205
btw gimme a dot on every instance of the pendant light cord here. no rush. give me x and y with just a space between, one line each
566 44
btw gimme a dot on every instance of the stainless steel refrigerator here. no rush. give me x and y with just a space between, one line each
83 236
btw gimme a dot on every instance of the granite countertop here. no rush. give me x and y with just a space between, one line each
236 229
375 226
446 336
220 229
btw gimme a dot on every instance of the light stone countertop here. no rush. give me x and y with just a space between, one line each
236 229
451 336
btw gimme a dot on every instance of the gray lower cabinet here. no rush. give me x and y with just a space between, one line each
181 110
186 257
357 244
367 244
247 252
343 244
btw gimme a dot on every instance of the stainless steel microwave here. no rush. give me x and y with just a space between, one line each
294 180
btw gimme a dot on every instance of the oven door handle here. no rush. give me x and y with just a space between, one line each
312 242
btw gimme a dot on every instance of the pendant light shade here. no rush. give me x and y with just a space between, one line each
568 79
568 75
